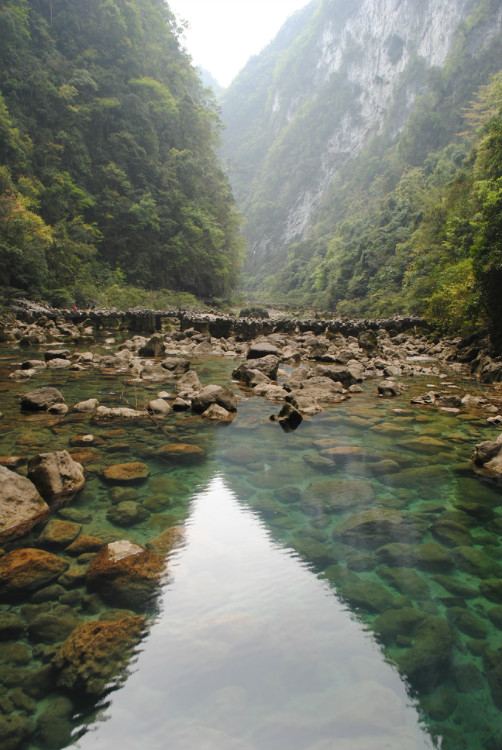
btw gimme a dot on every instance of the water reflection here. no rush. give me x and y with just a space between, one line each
252 651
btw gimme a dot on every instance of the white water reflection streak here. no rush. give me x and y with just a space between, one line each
253 652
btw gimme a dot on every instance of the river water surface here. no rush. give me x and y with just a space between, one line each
283 623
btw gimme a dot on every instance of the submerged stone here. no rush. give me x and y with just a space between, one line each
54 725
467 622
432 556
456 586
182 452
491 589
394 622
127 513
127 473
407 581
368 595
428 660
59 533
474 561
372 528
41 399
396 554
94 653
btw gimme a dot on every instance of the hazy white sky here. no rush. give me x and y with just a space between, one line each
223 34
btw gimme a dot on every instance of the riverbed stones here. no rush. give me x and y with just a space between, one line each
487 457
56 475
406 581
185 453
87 406
127 513
132 472
451 533
47 627
476 562
424 664
29 569
59 533
368 595
125 574
259 349
94 653
21 505
159 407
372 528
337 495
41 399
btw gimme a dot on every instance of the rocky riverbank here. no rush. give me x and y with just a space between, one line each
67 570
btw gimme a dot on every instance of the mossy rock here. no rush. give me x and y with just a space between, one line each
451 533
491 589
397 554
476 562
14 729
427 662
433 557
406 581
467 622
368 595
440 704
455 586
54 725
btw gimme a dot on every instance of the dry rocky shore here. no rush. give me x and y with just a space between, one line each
300 366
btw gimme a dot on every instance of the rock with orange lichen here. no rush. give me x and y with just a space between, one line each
181 453
125 574
94 654
21 506
84 543
132 472
28 569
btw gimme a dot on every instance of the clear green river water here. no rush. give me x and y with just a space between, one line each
278 626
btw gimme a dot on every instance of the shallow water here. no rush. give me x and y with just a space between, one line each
281 625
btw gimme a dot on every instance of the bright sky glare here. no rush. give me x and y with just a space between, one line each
224 34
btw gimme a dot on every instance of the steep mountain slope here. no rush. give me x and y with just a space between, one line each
311 123
108 165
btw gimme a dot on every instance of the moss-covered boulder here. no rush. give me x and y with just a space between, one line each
28 569
94 654
125 574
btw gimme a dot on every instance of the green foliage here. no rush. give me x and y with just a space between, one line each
111 140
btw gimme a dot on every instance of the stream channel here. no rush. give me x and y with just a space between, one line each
286 621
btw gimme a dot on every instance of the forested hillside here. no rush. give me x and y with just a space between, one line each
368 162
108 172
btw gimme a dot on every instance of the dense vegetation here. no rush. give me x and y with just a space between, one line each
413 223
108 172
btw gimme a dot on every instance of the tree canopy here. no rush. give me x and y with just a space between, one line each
108 150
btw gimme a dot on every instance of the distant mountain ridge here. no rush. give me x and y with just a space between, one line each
338 78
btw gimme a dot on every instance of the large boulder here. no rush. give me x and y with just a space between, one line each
260 349
214 394
154 347
125 574
188 385
119 413
176 365
41 399
21 505
94 654
487 457
28 569
56 476
267 365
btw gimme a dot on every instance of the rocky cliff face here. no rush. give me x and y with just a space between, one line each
310 104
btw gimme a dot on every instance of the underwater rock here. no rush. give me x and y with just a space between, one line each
84 543
337 495
181 452
50 628
456 587
59 533
368 595
492 663
407 581
395 622
54 725
11 626
28 569
95 652
14 729
425 663
467 622
440 704
21 505
491 589
398 554
474 561
372 528
125 574
56 475
127 513
432 556
133 472
451 533
41 399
